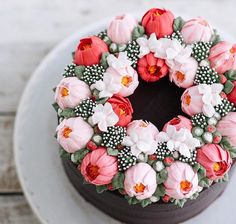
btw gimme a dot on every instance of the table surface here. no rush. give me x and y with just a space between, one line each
29 30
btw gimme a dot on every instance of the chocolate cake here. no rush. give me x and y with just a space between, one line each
147 118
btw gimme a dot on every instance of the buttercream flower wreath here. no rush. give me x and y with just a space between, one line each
114 152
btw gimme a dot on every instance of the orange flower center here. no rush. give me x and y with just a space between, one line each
92 171
86 46
156 13
220 168
233 50
187 99
64 92
216 167
66 132
185 186
152 69
126 80
180 76
143 124
122 111
139 188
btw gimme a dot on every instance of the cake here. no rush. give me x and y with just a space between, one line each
147 121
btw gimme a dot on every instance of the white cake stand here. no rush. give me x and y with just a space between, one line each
46 187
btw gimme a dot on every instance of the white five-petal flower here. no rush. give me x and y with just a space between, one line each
104 116
108 86
119 62
181 141
211 97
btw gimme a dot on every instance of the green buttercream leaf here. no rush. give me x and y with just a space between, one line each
132 201
231 75
215 39
101 189
162 176
138 32
205 182
67 113
79 70
180 202
196 167
118 181
225 143
145 202
64 154
228 87
201 172
102 100
55 106
112 152
178 23
79 155
103 60
226 177
160 191
232 151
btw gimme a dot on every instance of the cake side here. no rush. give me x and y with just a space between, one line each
116 206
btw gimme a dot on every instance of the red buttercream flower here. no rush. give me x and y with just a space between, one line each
123 109
89 51
158 21
232 95
152 69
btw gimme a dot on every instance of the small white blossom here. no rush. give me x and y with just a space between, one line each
158 166
181 141
119 62
104 116
107 87
211 97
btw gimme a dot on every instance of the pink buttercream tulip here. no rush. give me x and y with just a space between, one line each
227 127
223 57
127 77
184 75
120 29
182 181
73 134
70 92
179 122
140 181
215 160
196 30
192 101
98 167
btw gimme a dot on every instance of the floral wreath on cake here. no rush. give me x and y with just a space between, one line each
114 152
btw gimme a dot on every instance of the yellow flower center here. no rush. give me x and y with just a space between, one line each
156 14
64 92
143 124
216 167
187 99
139 188
185 186
152 69
233 50
122 111
180 76
66 132
126 80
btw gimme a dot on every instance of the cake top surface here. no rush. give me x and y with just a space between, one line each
147 108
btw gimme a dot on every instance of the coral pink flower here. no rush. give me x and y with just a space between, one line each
140 181
98 167
89 51
158 21
120 29
123 109
232 95
223 57
73 134
179 122
151 69
183 75
192 101
196 30
182 181
70 92
141 137
215 160
227 127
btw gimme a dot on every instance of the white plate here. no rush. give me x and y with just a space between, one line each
46 187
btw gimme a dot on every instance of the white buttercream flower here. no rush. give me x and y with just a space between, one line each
172 51
211 97
104 116
181 141
147 45
119 62
107 87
